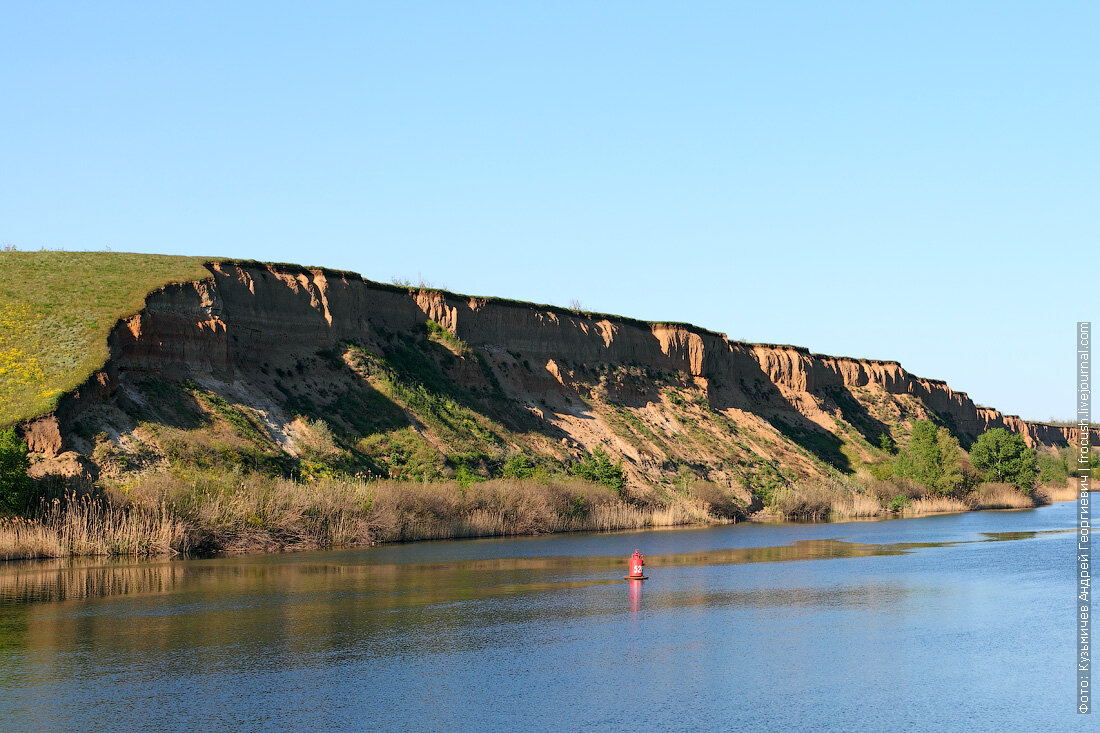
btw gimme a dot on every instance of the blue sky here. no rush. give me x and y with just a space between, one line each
904 181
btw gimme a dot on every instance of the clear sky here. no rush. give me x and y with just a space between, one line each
911 181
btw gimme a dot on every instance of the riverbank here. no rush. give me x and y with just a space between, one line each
204 513
247 513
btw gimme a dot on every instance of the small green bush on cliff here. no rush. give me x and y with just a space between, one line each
441 334
519 467
598 467
15 487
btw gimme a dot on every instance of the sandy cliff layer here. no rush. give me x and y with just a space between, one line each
662 396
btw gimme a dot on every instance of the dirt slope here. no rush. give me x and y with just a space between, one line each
301 371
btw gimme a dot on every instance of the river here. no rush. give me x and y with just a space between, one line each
958 622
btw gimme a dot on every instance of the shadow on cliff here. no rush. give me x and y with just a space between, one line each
857 415
170 402
824 445
755 392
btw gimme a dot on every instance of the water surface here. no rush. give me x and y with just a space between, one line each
959 622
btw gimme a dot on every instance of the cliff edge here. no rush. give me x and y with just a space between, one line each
293 369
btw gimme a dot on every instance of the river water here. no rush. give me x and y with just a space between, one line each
961 622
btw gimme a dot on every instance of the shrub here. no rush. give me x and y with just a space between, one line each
598 467
1001 496
519 467
898 503
315 439
1003 457
15 486
1052 469
724 501
931 458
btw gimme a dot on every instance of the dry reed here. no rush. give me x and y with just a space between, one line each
1065 492
832 498
166 513
934 505
1001 496
85 525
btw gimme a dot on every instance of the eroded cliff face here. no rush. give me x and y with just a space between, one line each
252 354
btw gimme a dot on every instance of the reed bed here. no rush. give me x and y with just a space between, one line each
820 500
85 525
854 506
166 513
934 505
1001 496
1065 492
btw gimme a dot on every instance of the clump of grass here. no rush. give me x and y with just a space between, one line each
86 525
1059 492
830 498
440 333
934 505
855 505
56 310
723 501
1001 496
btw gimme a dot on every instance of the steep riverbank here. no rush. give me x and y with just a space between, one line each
288 391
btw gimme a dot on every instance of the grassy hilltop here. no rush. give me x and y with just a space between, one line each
56 310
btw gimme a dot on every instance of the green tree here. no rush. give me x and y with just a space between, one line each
931 458
1002 456
1053 469
15 487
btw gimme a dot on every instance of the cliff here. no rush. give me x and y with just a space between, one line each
289 368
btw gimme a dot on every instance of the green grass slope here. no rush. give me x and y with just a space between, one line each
56 310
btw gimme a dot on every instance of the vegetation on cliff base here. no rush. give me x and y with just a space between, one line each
1003 457
15 485
208 511
56 310
931 459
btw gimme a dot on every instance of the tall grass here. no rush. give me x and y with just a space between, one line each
207 511
1063 492
934 505
168 513
831 498
1001 496
86 525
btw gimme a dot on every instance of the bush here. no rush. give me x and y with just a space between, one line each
519 467
598 467
15 486
1052 469
724 501
932 459
898 503
1003 457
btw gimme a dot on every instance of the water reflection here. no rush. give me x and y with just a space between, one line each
392 585
635 594
401 638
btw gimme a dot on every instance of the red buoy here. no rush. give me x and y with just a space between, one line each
634 567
